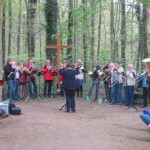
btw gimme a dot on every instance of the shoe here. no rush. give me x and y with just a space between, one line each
105 100
142 106
67 111
73 111
111 104
87 98
125 104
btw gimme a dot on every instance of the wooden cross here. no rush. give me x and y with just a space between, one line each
58 46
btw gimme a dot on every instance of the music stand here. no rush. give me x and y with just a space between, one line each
131 106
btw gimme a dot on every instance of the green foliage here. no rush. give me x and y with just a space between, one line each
146 2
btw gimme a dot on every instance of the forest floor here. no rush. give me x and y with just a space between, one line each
93 127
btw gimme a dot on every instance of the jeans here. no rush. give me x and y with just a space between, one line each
107 91
91 88
116 93
10 89
49 84
145 118
15 89
70 99
129 95
145 94
33 81
79 87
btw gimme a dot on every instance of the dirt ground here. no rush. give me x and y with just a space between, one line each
93 127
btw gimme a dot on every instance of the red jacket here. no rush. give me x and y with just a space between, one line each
30 68
48 74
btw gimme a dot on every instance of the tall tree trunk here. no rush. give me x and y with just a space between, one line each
99 30
4 36
70 30
31 13
84 36
19 29
1 66
145 23
75 33
123 32
51 15
112 31
10 26
92 40
140 32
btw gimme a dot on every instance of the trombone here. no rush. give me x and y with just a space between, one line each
114 82
101 76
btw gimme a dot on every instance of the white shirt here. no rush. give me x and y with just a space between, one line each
81 75
130 77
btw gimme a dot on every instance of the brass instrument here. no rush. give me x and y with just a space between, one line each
90 74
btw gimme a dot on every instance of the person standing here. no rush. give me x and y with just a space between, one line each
16 81
130 83
9 77
31 66
49 72
116 86
69 85
106 70
80 78
96 68
143 78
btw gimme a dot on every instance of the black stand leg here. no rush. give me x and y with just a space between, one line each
128 107
62 107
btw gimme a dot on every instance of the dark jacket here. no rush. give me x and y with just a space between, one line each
95 74
9 72
69 80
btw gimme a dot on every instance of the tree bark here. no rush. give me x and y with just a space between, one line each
1 66
123 32
70 30
99 30
112 31
19 29
31 13
84 37
51 16
4 36
92 39
145 33
10 26
140 32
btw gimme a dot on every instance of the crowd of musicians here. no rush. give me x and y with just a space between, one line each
116 79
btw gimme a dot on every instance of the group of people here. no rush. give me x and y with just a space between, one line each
21 75
115 79
21 78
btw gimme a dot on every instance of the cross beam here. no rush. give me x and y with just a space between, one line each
58 46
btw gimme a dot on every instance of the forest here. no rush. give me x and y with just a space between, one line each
96 29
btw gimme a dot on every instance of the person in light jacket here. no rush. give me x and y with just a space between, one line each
130 83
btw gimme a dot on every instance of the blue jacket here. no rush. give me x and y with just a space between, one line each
144 77
69 80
